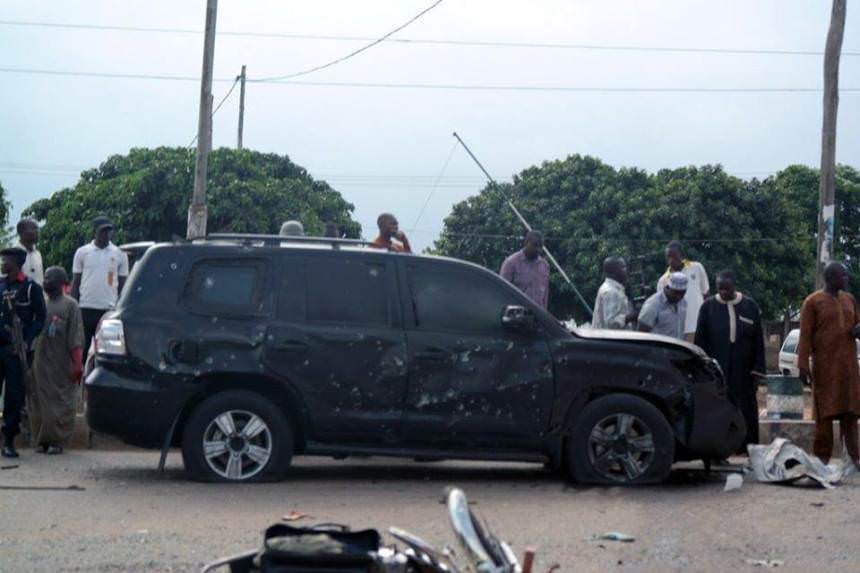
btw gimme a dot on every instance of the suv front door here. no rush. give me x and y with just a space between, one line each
338 340
471 381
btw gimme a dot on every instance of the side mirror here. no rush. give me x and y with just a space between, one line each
516 317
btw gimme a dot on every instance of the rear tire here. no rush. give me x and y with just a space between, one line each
620 440
237 436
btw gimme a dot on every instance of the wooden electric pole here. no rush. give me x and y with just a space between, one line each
827 185
197 212
241 108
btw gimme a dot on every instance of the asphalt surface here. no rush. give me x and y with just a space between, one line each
129 517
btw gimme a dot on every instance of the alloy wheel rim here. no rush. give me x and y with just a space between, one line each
621 447
237 444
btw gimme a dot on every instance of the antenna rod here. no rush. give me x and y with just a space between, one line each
526 225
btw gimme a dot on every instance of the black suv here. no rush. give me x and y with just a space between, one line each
246 350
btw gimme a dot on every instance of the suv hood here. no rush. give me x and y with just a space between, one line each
638 338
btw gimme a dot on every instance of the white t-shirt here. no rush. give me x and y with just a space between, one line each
33 267
697 287
100 270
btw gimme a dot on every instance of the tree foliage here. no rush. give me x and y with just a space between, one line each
589 210
147 193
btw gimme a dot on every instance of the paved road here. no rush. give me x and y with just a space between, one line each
131 518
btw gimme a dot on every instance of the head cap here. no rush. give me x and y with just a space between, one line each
292 229
102 222
678 281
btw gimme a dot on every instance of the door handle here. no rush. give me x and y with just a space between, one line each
434 355
291 346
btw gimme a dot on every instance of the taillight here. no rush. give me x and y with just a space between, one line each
110 338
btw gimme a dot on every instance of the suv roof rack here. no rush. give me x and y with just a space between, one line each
277 240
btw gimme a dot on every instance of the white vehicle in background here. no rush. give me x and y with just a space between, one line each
788 354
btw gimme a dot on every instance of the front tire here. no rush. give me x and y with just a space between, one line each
237 436
621 440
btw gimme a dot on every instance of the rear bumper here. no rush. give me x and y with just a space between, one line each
137 411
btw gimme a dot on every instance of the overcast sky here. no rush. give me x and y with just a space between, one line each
384 148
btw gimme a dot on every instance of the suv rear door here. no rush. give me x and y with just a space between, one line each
338 340
471 381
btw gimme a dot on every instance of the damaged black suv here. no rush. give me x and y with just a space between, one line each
247 350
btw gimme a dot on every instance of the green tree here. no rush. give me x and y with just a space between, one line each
798 185
147 193
589 210
8 235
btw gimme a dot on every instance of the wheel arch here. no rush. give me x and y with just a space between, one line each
588 396
281 394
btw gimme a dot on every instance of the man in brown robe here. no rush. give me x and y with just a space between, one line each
829 324
57 367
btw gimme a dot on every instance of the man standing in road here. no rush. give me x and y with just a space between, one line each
99 270
698 286
612 309
729 330
28 236
829 325
58 366
528 271
665 311
390 236
25 299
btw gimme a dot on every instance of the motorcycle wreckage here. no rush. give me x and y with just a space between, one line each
329 548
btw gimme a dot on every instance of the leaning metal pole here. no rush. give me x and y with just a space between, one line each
525 224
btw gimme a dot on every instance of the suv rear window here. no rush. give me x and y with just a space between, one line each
225 287
348 291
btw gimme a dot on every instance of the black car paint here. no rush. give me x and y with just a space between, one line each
433 405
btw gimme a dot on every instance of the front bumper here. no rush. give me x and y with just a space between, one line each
139 411
717 427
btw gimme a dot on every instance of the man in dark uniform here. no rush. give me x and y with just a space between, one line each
29 303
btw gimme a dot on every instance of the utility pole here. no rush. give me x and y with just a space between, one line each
241 108
827 186
197 211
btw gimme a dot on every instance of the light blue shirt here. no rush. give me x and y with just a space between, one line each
664 317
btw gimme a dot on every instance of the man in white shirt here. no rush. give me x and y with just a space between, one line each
612 308
698 286
99 270
28 236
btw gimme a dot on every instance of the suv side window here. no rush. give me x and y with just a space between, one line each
226 286
456 300
348 291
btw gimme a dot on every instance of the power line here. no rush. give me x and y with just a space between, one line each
354 52
435 42
220 103
613 240
429 86
435 185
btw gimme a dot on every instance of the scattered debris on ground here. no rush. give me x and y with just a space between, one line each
296 516
783 462
769 563
42 488
614 536
817 504
12 467
734 482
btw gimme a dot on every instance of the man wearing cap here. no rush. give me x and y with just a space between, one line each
698 285
24 298
665 311
99 270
